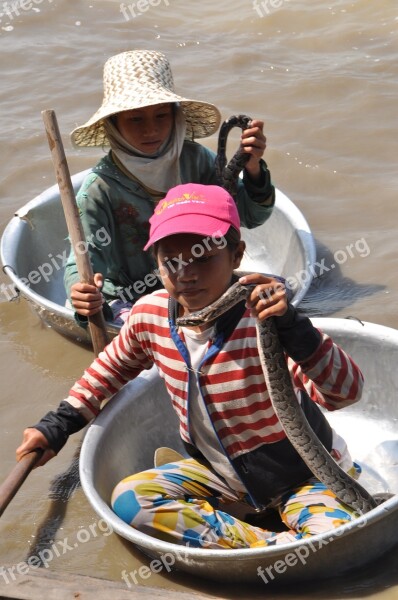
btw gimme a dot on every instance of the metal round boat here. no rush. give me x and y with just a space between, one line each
34 248
139 419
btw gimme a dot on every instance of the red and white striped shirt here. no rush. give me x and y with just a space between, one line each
231 381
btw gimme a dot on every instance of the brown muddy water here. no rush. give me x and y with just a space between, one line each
324 77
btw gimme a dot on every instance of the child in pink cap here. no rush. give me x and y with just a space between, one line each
238 451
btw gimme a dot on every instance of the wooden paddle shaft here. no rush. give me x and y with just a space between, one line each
15 479
75 229
19 473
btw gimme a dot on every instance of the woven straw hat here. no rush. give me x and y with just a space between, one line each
140 78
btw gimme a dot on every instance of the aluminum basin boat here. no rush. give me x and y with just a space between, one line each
123 438
34 247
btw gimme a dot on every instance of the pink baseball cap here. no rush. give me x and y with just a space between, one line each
193 208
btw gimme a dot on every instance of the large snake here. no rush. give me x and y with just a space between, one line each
285 403
276 372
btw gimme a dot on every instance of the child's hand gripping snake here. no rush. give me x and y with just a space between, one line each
227 174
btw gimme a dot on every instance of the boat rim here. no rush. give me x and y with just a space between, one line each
296 218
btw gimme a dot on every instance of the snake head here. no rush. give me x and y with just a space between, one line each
234 294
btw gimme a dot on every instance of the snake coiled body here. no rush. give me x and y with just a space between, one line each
286 405
227 174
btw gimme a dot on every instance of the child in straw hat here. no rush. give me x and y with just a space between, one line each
216 384
151 131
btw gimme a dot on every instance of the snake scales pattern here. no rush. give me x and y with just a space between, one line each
227 174
273 361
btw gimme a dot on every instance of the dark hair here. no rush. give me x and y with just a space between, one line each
232 237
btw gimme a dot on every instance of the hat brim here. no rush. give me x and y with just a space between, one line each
202 118
202 225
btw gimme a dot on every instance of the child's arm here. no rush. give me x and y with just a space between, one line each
256 193
318 365
51 432
33 439
255 202
121 361
87 299
95 216
254 143
329 376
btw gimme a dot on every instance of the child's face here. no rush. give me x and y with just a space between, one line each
196 270
146 128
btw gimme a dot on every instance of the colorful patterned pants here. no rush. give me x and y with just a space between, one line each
187 503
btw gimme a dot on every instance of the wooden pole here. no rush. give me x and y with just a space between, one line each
16 477
97 326
96 322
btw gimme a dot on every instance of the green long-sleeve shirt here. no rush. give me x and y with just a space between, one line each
115 211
